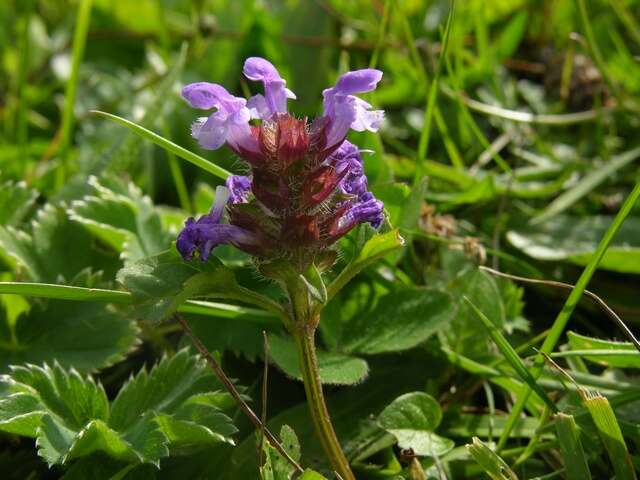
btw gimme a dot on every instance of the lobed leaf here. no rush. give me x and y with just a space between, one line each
154 412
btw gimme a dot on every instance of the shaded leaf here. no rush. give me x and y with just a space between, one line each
86 336
16 199
161 283
335 368
605 351
576 238
401 320
122 217
411 418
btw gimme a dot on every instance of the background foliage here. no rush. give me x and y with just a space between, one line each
526 130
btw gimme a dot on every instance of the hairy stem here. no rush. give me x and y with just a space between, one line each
305 343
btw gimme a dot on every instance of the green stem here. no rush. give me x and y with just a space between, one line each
315 399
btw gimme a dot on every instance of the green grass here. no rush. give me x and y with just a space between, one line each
507 164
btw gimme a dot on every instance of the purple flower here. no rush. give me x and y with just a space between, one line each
366 209
347 111
206 233
348 158
229 123
276 93
239 188
307 185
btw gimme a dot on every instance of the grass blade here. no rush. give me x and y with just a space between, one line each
511 356
575 461
556 330
611 436
82 294
423 145
491 463
585 185
79 41
64 292
167 145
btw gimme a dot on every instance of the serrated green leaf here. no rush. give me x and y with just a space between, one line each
335 368
87 336
163 389
20 413
122 217
161 283
53 440
411 418
16 199
40 252
173 406
400 321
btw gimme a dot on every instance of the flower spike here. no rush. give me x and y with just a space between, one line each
306 186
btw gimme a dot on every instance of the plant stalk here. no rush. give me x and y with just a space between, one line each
304 337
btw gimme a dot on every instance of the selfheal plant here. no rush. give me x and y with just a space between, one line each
306 188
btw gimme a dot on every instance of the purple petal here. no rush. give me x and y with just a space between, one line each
348 158
275 91
358 81
206 233
239 187
219 203
206 95
229 123
347 111
367 209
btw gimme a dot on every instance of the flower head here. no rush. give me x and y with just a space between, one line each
307 186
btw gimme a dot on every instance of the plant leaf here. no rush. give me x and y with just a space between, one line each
374 249
16 199
491 463
70 416
39 252
609 430
276 467
161 283
573 457
122 217
411 418
627 358
335 368
575 239
401 320
87 336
